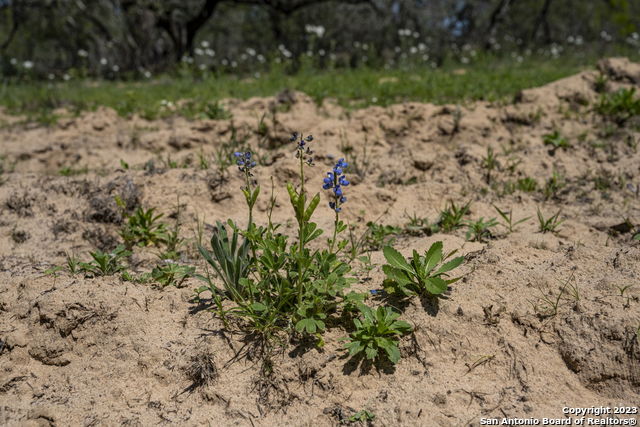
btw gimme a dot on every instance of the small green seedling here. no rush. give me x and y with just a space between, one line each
378 330
556 141
553 185
172 274
420 276
69 171
451 217
379 235
508 219
489 163
550 224
480 230
73 263
528 185
105 263
419 226
362 416
143 228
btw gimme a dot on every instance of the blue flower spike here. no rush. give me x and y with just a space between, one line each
335 181
244 162
302 149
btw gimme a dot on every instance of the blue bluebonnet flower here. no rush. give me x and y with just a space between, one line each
244 162
335 181
302 150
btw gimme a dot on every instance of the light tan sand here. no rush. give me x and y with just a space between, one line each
82 351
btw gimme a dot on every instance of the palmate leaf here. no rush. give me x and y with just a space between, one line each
308 325
371 352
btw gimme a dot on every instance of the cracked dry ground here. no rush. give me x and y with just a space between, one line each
101 351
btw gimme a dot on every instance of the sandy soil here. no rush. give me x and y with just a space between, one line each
102 351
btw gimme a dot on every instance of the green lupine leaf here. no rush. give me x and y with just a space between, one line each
306 324
371 352
259 307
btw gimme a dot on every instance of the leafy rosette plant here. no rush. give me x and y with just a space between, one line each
420 275
378 331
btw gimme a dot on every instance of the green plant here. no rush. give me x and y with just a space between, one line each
230 260
480 230
377 334
105 263
553 185
548 305
197 109
378 235
508 219
291 289
489 163
528 185
419 276
203 160
619 106
550 224
600 83
172 274
363 416
144 228
69 171
556 141
418 226
451 218
73 263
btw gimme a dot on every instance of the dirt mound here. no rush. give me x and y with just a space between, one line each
539 321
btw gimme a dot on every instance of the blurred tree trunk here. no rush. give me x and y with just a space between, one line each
541 21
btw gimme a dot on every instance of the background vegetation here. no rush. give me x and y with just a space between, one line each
65 53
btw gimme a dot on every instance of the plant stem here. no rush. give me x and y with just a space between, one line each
301 225
250 192
335 232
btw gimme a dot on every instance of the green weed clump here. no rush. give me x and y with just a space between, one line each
377 332
551 224
419 276
103 263
144 228
556 141
619 106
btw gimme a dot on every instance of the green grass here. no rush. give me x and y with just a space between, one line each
488 79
